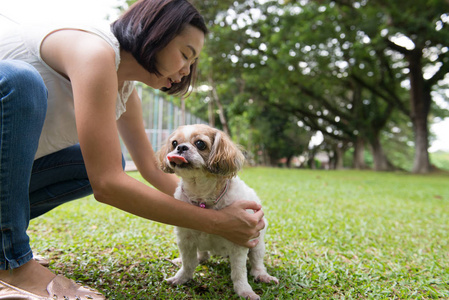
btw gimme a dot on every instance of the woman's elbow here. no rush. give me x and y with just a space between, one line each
100 195
104 188
100 192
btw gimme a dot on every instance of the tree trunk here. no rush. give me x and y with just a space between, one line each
289 161
221 113
210 110
420 99
380 160
311 160
421 163
359 157
338 154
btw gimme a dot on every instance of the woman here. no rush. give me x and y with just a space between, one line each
64 85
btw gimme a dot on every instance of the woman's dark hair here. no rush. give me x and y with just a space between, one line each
149 25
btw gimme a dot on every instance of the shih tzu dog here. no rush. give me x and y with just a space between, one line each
207 162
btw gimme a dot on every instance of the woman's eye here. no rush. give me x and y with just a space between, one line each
174 143
200 145
185 56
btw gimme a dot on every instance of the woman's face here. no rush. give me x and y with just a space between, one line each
174 61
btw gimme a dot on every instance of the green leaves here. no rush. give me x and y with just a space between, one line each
340 67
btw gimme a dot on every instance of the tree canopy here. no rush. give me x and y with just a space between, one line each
363 73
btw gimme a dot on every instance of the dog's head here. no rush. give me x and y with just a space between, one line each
200 147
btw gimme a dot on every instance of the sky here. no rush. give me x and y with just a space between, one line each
24 11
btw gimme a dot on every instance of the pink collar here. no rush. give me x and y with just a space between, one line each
202 203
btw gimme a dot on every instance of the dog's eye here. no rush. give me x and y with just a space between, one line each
200 145
174 143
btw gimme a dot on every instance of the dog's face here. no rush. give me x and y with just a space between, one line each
200 147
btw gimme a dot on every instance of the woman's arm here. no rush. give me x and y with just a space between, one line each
89 63
133 133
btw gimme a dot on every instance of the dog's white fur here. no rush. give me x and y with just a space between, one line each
204 175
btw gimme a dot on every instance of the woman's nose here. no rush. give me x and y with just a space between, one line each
185 71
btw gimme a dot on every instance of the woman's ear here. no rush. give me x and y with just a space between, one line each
225 158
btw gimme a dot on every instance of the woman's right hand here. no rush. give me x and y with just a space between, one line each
238 225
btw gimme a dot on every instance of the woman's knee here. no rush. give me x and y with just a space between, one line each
21 83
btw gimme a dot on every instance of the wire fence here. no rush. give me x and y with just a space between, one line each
161 117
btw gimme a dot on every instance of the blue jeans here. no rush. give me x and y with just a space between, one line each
30 188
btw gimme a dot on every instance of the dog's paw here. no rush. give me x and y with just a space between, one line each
177 280
249 295
267 279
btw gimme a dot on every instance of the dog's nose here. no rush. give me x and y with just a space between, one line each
182 148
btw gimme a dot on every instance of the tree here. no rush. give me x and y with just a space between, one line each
318 82
424 26
357 43
336 65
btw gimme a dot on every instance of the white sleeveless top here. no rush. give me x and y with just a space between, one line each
23 43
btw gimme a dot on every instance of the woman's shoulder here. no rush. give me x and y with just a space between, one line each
103 30
96 33
78 55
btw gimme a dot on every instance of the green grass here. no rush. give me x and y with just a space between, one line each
332 235
440 160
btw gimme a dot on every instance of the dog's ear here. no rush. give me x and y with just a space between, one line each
225 157
161 156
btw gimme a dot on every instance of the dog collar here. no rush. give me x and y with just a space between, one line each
202 203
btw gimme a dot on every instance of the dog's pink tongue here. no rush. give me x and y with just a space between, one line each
177 159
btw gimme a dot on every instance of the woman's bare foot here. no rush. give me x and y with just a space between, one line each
31 277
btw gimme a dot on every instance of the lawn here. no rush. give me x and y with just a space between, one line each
440 160
332 235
